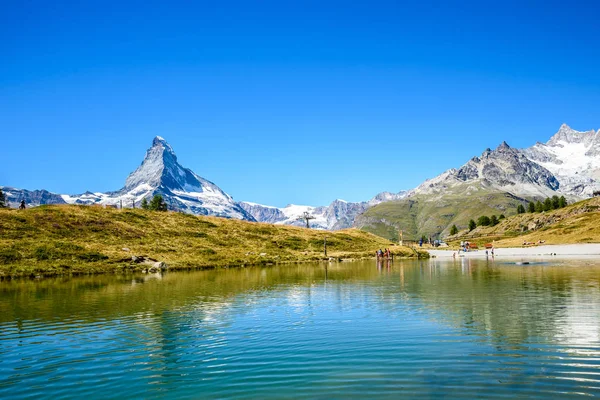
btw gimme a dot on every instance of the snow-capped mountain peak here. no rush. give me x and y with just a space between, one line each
568 135
159 173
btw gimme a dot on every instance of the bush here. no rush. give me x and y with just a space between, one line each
44 253
453 230
9 255
494 221
472 225
158 203
484 220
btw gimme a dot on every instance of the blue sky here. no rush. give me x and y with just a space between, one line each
283 102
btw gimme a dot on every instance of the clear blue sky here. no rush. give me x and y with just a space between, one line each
287 101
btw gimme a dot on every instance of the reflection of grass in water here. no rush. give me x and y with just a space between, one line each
82 239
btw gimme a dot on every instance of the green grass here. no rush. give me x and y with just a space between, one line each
55 240
434 214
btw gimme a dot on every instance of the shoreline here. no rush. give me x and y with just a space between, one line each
587 249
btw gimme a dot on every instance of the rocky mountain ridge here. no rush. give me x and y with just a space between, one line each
159 173
567 164
340 214
493 183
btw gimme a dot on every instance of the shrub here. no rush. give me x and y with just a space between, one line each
494 221
484 220
158 203
9 255
453 230
472 225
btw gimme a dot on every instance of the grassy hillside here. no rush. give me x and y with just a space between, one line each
576 223
433 214
51 240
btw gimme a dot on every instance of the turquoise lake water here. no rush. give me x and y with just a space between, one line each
426 329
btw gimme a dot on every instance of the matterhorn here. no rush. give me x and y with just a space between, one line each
160 173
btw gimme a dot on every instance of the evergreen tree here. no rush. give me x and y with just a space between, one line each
494 221
145 205
484 220
472 225
453 230
548 204
562 202
520 209
2 200
158 203
555 202
502 216
531 207
539 207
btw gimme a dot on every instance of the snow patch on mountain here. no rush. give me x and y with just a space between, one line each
574 159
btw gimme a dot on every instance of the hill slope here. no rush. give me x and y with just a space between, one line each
66 239
576 223
430 215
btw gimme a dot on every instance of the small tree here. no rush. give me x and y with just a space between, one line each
472 225
548 204
158 203
562 202
531 207
145 204
539 207
484 220
520 209
2 200
494 220
555 202
453 230
501 217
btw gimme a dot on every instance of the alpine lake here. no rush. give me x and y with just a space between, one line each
464 328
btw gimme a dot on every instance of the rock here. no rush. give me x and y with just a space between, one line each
126 249
137 259
262 254
161 265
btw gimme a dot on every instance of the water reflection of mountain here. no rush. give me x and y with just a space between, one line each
501 303
512 304
107 296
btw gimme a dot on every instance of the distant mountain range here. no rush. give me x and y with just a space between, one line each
496 181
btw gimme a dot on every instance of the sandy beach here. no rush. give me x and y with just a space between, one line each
559 250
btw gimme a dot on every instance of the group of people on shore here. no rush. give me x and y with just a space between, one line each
384 254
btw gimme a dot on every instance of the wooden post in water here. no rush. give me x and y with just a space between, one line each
325 246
